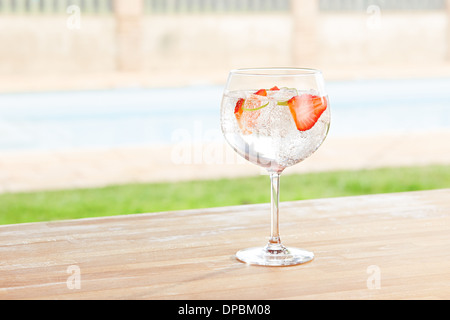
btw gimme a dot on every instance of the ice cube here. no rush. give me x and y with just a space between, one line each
284 94
275 120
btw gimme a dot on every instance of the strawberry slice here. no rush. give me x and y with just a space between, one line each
262 92
275 89
238 110
306 110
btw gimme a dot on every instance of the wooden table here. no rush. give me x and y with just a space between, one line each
390 246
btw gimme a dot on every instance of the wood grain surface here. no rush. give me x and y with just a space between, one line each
389 246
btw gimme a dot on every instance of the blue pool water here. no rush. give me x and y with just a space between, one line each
133 117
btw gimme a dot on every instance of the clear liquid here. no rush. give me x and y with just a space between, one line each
275 143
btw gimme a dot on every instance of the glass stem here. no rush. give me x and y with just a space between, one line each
275 241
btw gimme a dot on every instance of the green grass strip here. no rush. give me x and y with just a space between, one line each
155 197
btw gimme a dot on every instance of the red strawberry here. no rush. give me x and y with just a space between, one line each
239 108
275 89
262 92
306 110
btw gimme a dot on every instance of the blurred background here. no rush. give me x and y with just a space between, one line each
86 44
103 92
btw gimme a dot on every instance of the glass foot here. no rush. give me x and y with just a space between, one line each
267 256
